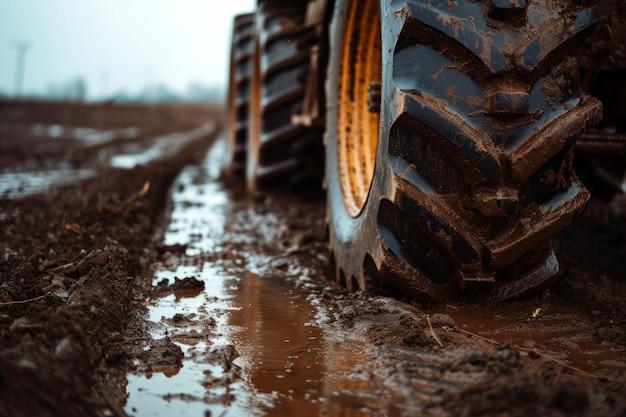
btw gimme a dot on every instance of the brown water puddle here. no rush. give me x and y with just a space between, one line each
545 329
287 364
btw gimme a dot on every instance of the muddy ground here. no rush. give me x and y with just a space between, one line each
74 262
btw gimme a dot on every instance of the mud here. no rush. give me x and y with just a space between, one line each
68 259
160 288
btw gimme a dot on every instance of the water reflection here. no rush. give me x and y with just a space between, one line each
281 349
284 364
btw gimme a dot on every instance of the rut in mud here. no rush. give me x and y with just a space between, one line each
244 321
181 294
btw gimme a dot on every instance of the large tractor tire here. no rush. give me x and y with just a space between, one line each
240 79
278 149
450 135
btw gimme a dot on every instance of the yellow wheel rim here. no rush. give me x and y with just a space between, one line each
357 127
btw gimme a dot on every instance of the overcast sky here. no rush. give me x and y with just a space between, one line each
117 44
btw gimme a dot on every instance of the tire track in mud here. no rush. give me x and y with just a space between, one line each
242 320
256 333
247 340
17 184
69 256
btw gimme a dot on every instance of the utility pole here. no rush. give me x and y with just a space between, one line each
20 68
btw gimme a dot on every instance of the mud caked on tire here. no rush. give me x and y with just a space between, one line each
278 149
450 135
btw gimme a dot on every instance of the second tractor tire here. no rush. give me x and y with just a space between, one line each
280 151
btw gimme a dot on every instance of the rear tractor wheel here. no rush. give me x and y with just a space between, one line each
240 78
280 151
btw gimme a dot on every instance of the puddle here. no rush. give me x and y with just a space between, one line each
286 365
545 329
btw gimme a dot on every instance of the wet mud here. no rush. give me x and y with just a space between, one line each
162 290
68 257
269 328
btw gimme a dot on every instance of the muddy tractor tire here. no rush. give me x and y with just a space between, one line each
239 81
277 147
450 137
